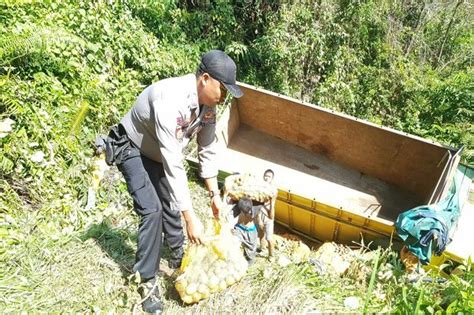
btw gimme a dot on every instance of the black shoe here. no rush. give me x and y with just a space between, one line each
175 263
152 303
175 258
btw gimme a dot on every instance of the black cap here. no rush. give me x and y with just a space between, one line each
222 68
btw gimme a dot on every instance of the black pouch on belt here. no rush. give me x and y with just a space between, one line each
116 144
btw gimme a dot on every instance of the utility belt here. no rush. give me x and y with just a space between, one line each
116 145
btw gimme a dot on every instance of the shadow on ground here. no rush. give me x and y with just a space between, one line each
115 243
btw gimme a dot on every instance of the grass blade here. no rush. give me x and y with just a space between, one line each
372 282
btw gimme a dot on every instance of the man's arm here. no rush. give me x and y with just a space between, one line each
193 226
172 159
214 193
207 153
271 213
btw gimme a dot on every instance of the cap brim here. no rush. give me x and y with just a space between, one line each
234 90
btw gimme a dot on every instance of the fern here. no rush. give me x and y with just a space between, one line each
6 165
15 46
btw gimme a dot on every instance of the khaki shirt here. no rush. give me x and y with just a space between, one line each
164 118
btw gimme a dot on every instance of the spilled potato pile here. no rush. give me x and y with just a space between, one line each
211 267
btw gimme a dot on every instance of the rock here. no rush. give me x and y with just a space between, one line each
301 253
351 302
328 255
283 261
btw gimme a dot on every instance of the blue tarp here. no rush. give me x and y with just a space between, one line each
426 229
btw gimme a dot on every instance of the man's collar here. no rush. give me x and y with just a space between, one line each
191 89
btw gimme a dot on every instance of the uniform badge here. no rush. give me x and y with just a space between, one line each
181 126
209 116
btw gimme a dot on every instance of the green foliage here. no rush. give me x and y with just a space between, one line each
68 70
380 279
381 61
459 295
450 113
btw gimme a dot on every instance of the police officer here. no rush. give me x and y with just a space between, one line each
164 118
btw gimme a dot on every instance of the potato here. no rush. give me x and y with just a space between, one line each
213 288
230 280
213 281
203 279
191 289
203 290
188 299
196 297
181 286
211 267
222 285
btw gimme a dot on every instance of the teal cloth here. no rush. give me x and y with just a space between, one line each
244 228
426 229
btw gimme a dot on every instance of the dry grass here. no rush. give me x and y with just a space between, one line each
278 291
50 269
89 271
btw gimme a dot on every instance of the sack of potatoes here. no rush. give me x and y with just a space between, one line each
210 267
248 186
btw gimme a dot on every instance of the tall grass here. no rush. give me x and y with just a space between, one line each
373 276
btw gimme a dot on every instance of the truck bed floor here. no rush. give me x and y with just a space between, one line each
314 176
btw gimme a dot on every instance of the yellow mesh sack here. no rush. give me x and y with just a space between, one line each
212 266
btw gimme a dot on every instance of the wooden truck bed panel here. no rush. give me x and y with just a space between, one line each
394 157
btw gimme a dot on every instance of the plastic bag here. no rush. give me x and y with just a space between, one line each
211 267
247 185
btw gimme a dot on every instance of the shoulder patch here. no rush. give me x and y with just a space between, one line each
209 116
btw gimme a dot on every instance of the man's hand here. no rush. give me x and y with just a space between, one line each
193 227
214 193
216 206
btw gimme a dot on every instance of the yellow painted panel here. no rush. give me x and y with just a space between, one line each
326 223
281 212
300 220
323 228
347 234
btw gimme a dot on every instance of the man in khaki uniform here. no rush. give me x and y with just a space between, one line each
149 142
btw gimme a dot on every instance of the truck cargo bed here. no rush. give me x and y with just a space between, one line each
313 175
339 178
